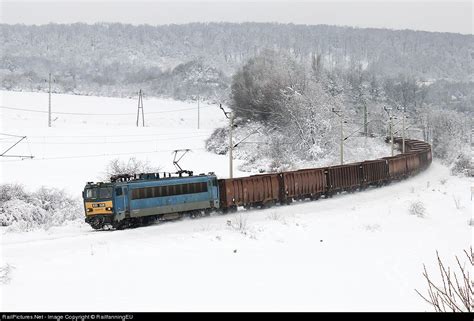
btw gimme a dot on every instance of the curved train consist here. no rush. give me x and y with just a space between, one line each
130 200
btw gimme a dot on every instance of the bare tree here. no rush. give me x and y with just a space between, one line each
130 166
455 293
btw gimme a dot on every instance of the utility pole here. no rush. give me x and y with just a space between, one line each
339 114
366 127
49 105
403 127
230 116
342 140
231 145
140 106
403 130
390 125
198 113
391 133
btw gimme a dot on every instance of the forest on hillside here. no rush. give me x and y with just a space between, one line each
182 61
268 73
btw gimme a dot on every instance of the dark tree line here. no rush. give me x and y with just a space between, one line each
115 59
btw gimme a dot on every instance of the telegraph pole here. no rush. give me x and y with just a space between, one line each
390 125
49 105
231 145
339 114
230 116
391 133
366 127
403 130
140 106
342 141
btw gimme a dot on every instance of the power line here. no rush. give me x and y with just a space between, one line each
98 114
96 136
17 141
98 155
128 114
11 135
113 142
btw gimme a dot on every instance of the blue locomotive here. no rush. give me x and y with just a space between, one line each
134 199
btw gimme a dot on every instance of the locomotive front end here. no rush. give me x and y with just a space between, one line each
98 204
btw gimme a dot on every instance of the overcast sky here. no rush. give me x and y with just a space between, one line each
443 16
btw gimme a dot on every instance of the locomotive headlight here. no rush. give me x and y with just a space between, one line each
89 209
109 208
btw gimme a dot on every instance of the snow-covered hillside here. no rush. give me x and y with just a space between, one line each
68 154
362 251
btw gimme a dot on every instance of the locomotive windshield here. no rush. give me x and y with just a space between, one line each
103 192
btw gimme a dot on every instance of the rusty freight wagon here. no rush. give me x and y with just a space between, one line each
429 157
256 190
343 177
415 146
397 166
301 184
375 172
413 162
424 159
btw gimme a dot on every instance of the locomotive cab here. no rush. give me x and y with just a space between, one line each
98 204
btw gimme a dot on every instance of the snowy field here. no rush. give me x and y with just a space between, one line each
354 252
68 154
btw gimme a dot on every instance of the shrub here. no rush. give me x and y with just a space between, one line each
417 208
5 273
455 292
131 166
240 223
461 165
12 191
42 209
17 211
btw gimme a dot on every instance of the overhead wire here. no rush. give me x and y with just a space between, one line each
95 136
113 142
96 155
107 136
103 136
98 114
3 134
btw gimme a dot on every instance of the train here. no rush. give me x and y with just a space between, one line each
133 200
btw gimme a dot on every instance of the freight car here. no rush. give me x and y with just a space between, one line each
343 178
129 200
252 191
375 172
305 183
397 167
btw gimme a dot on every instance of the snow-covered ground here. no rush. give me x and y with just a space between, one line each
68 154
361 251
